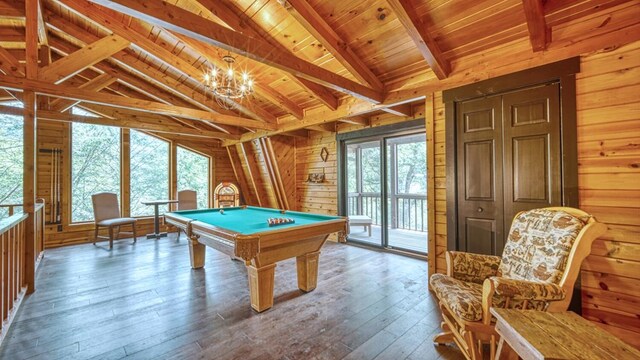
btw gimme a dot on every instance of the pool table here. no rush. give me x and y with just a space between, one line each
243 232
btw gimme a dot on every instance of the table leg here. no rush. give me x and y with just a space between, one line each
156 219
261 286
196 253
505 352
307 265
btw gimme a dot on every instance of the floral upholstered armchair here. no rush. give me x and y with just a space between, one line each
538 268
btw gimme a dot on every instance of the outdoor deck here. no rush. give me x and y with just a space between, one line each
398 238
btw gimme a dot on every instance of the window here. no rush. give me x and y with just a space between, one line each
11 158
95 165
193 174
149 171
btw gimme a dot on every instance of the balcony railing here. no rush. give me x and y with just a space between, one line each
16 261
408 211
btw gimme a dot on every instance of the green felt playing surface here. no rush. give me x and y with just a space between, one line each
252 219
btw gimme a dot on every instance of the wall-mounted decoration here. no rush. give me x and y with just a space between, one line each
315 178
324 154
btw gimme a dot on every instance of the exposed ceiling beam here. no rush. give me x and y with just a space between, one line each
400 110
302 133
309 18
151 124
538 31
419 33
187 23
356 120
89 55
137 88
9 64
282 101
323 128
13 83
96 84
42 30
108 21
239 21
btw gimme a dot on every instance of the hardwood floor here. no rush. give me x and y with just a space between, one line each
143 301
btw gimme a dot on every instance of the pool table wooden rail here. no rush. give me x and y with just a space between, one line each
261 251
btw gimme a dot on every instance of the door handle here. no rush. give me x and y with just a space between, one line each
480 209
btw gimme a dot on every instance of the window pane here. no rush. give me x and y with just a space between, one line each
193 174
95 166
11 158
412 167
371 167
149 172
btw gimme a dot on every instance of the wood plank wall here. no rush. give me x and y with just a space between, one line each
53 135
608 101
609 176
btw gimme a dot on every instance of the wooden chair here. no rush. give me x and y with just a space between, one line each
106 213
187 200
538 269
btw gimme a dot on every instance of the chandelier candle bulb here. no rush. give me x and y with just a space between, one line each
228 84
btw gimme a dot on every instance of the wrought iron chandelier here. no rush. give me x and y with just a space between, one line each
228 85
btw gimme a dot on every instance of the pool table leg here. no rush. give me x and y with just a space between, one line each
196 253
261 286
307 265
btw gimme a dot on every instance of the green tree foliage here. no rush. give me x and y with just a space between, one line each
193 174
95 166
11 159
411 161
149 171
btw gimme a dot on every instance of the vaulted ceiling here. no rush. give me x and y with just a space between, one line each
314 61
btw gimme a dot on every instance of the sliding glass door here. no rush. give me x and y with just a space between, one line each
407 192
384 190
364 194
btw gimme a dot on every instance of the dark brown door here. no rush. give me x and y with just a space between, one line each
479 167
508 160
531 126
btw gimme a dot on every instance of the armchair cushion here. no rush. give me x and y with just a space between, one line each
539 244
463 298
526 290
472 267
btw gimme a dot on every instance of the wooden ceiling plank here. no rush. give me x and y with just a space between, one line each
13 83
96 84
89 55
12 8
419 33
309 18
105 19
241 22
31 39
400 110
323 128
538 31
187 23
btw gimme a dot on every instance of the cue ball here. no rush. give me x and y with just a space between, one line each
221 211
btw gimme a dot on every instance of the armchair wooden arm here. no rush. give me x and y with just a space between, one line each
471 267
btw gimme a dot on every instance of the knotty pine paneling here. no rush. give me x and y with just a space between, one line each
609 186
284 148
608 109
318 198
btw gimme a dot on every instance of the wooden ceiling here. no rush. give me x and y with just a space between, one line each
314 61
